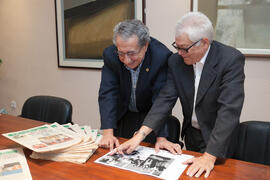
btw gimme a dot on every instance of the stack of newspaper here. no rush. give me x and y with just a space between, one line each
59 142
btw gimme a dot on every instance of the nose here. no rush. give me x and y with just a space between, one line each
126 59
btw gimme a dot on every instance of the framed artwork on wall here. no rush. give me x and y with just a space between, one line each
243 24
85 28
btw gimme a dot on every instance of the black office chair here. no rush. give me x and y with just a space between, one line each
47 109
253 142
174 130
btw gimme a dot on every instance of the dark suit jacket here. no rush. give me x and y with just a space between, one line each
219 99
115 87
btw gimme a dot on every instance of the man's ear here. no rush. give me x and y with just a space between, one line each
205 42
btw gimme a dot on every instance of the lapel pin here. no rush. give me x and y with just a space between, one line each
147 69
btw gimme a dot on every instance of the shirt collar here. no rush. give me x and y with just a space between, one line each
203 59
205 55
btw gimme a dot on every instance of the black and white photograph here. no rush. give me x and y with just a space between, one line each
145 160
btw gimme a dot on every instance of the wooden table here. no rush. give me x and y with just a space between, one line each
47 170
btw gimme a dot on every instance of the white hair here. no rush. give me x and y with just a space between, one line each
196 25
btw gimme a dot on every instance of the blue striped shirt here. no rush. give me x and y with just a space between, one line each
134 78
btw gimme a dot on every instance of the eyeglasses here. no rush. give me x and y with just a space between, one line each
184 49
130 54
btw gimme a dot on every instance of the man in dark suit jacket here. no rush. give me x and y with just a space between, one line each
208 77
135 69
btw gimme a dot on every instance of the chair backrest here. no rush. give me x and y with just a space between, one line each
253 142
48 109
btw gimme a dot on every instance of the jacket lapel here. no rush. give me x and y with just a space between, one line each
208 74
186 77
144 72
126 81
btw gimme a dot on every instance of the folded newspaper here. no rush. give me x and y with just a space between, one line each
59 142
13 165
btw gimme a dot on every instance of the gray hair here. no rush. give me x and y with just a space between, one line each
196 25
128 28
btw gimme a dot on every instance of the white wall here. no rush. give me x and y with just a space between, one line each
28 49
29 53
257 90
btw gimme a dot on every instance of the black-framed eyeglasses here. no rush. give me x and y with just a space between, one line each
184 49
